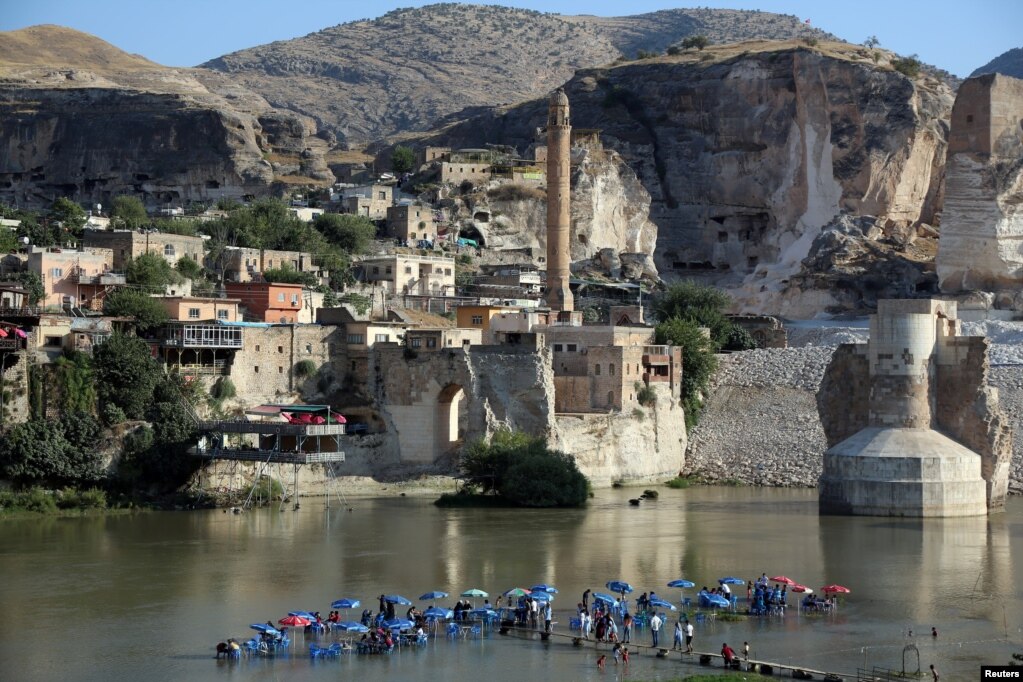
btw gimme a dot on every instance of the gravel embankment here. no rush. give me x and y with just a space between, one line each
760 424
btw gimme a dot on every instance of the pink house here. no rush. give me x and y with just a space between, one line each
69 275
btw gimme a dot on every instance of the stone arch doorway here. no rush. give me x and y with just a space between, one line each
446 429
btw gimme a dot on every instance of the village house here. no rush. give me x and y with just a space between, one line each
409 274
370 201
130 244
199 308
72 276
411 223
427 155
440 338
240 264
275 303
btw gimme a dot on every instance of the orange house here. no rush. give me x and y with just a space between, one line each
266 302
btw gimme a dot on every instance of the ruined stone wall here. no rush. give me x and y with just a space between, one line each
264 369
844 395
967 410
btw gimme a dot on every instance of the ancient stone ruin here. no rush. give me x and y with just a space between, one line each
913 428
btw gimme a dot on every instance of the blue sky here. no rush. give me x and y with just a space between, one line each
956 35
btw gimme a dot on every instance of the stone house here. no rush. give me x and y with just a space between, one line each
130 244
440 338
427 155
240 264
411 223
64 272
371 201
196 308
456 173
275 303
409 274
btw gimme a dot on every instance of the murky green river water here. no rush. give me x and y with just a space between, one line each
146 597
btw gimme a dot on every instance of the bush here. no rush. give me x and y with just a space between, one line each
223 389
811 41
638 414
907 66
697 358
738 339
464 259
147 312
305 368
112 415
516 192
38 500
679 483
266 489
645 395
697 41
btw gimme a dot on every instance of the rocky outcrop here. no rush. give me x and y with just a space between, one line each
115 124
980 247
1009 63
749 150
609 215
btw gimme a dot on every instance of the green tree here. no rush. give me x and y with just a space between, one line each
696 303
128 211
350 233
697 41
189 269
147 312
872 42
698 359
8 240
58 452
485 464
75 383
288 275
152 272
126 374
33 284
70 215
402 159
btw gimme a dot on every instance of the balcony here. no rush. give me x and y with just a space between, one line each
202 336
656 355
101 279
12 344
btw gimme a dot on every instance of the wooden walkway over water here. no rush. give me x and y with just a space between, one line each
697 658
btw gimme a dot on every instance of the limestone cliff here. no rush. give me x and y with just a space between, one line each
91 122
609 210
980 245
748 150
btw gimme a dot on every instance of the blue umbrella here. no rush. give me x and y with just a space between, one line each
430 596
607 598
263 627
663 604
731 581
351 626
346 604
708 599
397 599
619 586
542 596
398 623
544 587
438 613
483 613
681 583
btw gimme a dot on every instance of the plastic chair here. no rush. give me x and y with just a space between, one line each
452 630
476 631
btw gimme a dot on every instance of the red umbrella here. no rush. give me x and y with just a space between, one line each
801 588
783 579
835 589
295 621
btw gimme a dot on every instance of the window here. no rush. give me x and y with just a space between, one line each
376 270
388 270
280 349
309 348
52 340
280 370
571 348
294 299
356 338
280 297
193 313
558 348
412 236
628 370
597 369
610 398
416 342
221 314
381 338
447 271
255 370
408 269
168 250
382 195
432 342
56 272
611 369
257 347
477 319
353 365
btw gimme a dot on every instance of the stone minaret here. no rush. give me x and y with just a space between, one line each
559 145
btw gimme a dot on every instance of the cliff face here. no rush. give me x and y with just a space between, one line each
749 150
609 210
115 124
982 222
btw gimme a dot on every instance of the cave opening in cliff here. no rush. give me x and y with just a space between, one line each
471 232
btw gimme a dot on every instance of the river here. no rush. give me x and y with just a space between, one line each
147 596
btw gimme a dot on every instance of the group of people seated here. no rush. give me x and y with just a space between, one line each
768 600
813 603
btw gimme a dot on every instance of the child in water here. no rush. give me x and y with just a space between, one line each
601 661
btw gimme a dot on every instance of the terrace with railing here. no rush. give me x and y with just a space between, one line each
202 336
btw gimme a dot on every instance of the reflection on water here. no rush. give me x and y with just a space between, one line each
147 596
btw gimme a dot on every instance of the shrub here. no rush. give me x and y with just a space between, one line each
811 41
545 478
679 483
112 414
516 192
266 488
223 389
645 395
464 259
38 500
638 414
305 368
907 66
697 358
674 50
697 41
738 338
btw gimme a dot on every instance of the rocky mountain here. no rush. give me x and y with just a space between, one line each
1008 63
749 150
368 79
84 119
